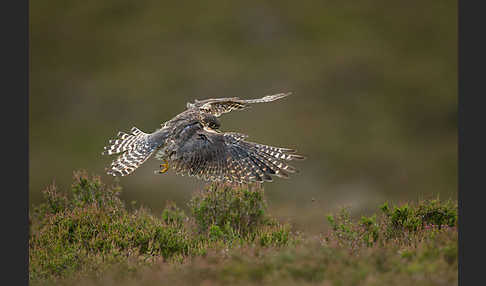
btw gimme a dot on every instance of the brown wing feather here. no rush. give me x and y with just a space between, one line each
228 157
218 106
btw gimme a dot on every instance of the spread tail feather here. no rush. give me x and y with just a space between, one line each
135 151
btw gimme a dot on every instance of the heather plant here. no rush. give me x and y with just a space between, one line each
414 218
85 191
173 215
223 211
88 229
431 261
87 236
240 208
405 224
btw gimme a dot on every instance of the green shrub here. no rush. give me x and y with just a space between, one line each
427 213
229 239
406 223
90 228
173 215
229 213
89 191
84 191
241 209
435 212
278 235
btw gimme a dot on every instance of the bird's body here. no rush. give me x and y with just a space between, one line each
192 144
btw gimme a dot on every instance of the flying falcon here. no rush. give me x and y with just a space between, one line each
192 144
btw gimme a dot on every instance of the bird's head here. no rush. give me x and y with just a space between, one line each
210 121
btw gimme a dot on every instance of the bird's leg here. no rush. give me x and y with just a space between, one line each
164 167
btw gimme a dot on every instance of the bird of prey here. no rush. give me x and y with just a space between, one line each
192 144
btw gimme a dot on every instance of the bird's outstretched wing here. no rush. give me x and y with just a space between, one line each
218 106
215 156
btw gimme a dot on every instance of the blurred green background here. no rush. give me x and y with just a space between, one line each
374 106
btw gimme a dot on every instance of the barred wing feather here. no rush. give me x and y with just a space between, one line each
219 106
228 157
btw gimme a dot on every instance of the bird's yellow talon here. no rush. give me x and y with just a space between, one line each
164 166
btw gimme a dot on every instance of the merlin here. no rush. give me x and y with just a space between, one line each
192 144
